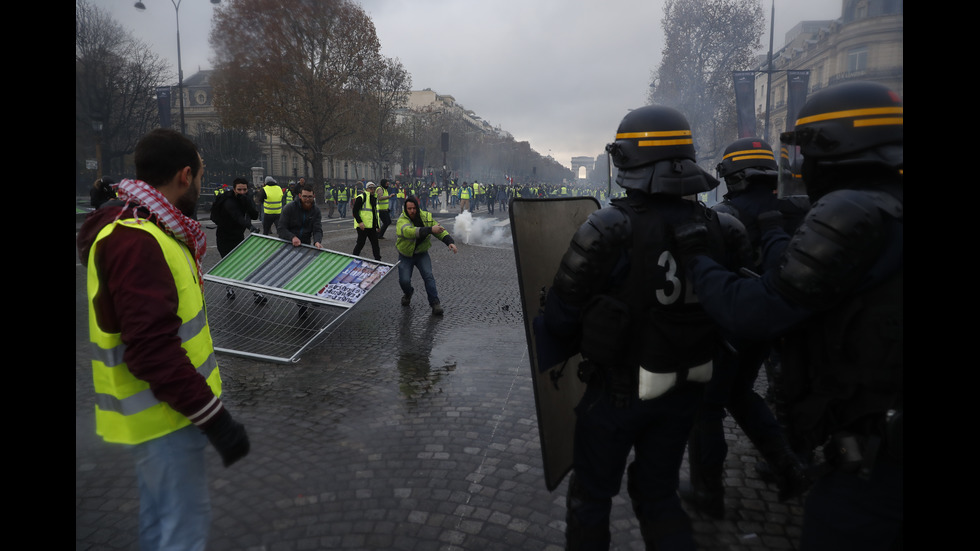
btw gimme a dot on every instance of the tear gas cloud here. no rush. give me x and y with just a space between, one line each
489 232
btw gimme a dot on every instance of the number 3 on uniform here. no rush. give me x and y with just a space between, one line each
676 286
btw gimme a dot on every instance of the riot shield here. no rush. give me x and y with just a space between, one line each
542 230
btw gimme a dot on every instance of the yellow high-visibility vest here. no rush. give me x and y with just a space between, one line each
273 199
126 410
367 215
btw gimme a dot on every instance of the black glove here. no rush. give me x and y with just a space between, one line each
690 240
228 437
769 220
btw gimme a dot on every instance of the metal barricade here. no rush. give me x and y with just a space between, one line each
270 300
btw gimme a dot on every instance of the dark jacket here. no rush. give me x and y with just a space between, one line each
100 194
305 224
233 214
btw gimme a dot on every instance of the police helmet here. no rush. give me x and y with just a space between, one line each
654 153
850 126
848 120
748 160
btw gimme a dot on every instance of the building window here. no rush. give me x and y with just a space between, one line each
857 59
861 10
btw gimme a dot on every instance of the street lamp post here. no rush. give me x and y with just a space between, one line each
97 127
180 71
772 25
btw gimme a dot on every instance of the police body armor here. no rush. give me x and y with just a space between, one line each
842 375
747 208
648 326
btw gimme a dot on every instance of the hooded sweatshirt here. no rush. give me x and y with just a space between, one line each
413 234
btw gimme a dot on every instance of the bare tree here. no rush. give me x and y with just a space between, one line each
302 67
229 152
705 40
381 137
116 77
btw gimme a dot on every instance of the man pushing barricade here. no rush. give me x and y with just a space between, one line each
647 346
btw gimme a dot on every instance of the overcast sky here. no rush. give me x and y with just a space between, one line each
559 74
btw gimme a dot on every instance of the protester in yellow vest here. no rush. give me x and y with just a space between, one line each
464 197
156 381
271 197
414 228
365 211
343 196
384 207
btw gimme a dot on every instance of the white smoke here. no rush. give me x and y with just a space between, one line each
490 232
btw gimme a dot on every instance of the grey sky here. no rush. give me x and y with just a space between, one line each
559 74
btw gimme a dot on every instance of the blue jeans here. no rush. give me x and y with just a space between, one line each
421 261
175 508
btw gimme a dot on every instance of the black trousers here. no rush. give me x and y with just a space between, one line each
268 221
368 233
385 217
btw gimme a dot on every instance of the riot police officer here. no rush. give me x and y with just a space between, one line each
836 297
647 344
749 169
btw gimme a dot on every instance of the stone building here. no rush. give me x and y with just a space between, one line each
864 43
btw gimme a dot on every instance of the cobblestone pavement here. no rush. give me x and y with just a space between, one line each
399 431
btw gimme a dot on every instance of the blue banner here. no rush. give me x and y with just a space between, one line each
745 102
163 105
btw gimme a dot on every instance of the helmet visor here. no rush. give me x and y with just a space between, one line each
790 179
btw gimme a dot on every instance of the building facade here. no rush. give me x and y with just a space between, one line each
276 159
865 43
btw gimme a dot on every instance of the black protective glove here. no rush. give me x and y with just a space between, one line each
769 220
228 437
690 240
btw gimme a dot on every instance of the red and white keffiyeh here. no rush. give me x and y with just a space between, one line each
166 216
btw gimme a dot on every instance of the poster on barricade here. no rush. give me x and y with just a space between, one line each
354 281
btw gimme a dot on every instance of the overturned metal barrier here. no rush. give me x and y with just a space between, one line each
270 300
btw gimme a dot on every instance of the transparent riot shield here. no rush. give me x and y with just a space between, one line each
790 178
542 230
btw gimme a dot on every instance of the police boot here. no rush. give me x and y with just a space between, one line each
788 470
586 525
706 489
661 525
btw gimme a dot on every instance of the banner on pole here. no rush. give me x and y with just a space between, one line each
745 102
797 83
163 105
